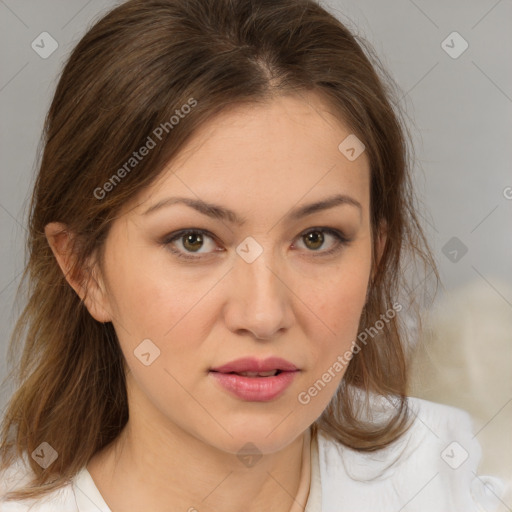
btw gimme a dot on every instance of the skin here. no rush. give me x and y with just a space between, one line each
260 161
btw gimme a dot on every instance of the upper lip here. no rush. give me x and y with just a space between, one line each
251 364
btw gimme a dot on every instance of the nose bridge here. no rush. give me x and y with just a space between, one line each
262 305
260 275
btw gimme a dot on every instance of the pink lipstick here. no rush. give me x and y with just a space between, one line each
254 380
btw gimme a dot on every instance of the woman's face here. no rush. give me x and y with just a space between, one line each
260 289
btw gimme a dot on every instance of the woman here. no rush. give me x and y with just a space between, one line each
218 238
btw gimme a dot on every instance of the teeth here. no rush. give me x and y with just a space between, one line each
259 374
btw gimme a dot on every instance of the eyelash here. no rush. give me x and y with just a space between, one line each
341 241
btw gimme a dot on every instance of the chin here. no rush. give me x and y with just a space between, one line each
268 435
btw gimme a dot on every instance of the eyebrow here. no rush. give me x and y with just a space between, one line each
225 214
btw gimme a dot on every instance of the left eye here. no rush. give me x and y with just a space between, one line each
193 240
316 237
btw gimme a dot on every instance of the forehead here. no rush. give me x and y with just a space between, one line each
282 150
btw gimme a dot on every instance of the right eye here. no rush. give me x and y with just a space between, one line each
190 241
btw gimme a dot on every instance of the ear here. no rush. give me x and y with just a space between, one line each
380 244
81 280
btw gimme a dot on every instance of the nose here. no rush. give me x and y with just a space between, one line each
259 299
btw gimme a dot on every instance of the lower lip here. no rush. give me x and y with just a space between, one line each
255 389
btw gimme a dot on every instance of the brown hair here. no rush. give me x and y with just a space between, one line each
130 73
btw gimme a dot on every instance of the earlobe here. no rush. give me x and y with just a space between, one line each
83 281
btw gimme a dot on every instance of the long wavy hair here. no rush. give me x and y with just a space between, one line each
131 72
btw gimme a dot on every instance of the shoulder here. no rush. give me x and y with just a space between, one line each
433 467
19 474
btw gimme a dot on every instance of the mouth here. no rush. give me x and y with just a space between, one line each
254 380
252 367
271 373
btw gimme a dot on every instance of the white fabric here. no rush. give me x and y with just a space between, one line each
314 501
410 475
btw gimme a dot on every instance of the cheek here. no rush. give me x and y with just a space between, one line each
173 314
151 296
173 310
337 305
337 300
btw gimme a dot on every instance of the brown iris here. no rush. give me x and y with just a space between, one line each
316 237
195 239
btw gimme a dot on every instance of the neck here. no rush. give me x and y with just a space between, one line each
147 469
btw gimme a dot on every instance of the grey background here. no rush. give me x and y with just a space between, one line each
462 109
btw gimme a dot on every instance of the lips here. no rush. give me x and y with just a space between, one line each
252 367
255 381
